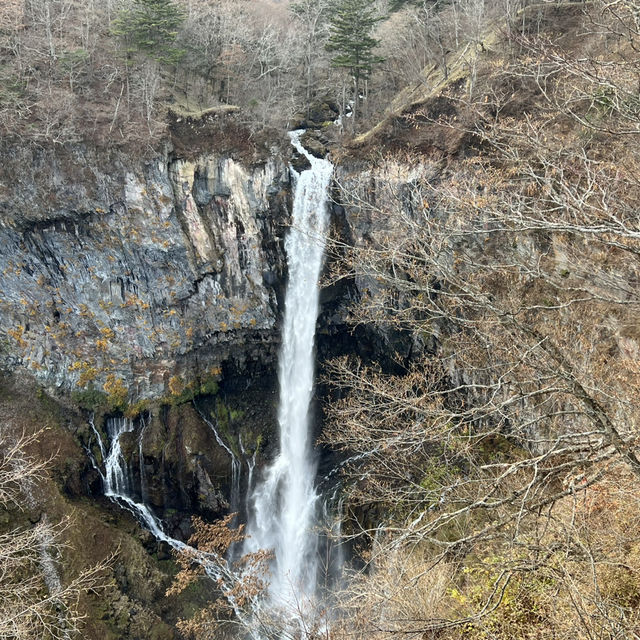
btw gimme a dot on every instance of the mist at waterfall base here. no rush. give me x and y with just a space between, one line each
283 506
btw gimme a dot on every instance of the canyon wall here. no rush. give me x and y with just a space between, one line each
131 273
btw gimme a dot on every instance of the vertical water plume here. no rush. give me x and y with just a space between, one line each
284 503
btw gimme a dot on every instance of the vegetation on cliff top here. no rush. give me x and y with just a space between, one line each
109 71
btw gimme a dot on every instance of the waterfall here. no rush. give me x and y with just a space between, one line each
118 486
283 504
116 473
234 498
117 479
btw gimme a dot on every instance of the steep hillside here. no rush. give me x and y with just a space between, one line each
493 220
127 599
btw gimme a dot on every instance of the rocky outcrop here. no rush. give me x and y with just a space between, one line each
364 194
131 273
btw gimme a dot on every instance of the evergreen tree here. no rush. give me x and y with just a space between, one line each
150 27
351 39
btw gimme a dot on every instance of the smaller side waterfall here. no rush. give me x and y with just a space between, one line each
234 498
117 480
118 486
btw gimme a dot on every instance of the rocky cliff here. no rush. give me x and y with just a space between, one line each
134 273
160 280
127 280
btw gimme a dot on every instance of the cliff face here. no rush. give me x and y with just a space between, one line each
138 278
137 272
372 203
144 276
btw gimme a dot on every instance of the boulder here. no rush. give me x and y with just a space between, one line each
318 115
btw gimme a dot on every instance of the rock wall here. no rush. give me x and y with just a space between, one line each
365 192
132 273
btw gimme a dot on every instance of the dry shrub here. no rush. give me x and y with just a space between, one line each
240 584
36 600
572 574
400 592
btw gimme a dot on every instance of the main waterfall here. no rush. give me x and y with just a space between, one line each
284 504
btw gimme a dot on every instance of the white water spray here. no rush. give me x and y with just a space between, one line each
284 503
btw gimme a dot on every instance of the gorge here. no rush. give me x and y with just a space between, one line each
282 507
373 379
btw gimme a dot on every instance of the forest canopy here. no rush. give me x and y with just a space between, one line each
108 71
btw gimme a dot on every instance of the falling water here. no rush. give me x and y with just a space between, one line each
118 483
234 502
284 503
117 479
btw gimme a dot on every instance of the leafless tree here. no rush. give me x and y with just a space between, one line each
313 16
513 277
34 601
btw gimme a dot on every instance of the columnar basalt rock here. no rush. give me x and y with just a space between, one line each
135 273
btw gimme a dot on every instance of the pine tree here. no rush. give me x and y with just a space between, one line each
351 39
150 27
